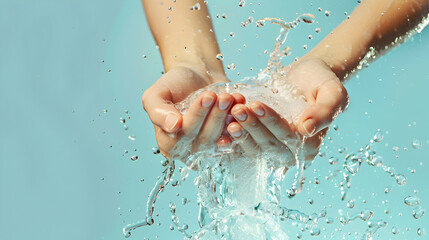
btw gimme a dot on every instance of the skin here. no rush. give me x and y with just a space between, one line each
190 66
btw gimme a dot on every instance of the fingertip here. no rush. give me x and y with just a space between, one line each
238 98
172 123
239 112
308 127
237 107
225 101
257 108
209 93
207 100
234 129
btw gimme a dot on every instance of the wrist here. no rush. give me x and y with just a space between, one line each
208 73
337 65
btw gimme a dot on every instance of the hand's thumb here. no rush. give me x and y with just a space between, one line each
331 99
161 111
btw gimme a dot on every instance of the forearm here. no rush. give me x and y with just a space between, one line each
374 23
185 37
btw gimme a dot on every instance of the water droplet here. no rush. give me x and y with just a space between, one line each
174 183
232 34
164 162
395 230
311 201
197 6
132 138
351 204
219 56
378 136
315 231
184 227
329 220
134 157
317 181
417 144
318 30
241 3
122 120
412 201
333 160
231 66
366 214
353 164
155 150
418 212
401 179
327 13
149 221
421 232
307 18
376 161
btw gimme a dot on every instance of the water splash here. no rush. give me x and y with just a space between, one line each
232 210
373 53
224 201
159 186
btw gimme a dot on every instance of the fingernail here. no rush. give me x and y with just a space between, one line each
224 103
258 110
207 101
240 114
171 121
309 126
235 133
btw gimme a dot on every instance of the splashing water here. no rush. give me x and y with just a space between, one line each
228 207
239 196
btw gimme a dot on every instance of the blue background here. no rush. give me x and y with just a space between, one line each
57 144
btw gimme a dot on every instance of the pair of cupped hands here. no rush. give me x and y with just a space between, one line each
221 118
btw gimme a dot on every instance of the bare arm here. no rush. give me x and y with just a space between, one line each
185 37
188 48
374 23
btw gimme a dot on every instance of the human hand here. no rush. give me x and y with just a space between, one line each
205 119
268 131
